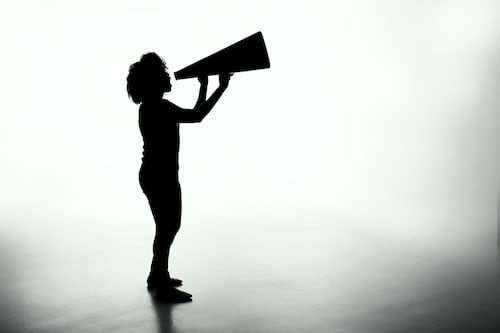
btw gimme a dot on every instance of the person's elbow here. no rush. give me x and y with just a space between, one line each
193 117
199 118
199 114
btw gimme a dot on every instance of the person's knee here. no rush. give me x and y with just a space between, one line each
168 231
177 225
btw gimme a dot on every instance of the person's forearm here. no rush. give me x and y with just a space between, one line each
202 96
205 107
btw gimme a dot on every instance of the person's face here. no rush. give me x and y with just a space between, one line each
166 82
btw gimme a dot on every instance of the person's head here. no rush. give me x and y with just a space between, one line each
148 78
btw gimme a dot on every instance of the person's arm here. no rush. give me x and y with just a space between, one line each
202 96
201 109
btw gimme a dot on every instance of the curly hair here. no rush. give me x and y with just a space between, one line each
144 76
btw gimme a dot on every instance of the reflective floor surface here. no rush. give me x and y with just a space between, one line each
286 277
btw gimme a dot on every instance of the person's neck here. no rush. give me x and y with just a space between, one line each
152 99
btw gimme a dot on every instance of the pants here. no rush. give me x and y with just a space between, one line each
164 195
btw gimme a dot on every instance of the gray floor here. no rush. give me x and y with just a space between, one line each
325 278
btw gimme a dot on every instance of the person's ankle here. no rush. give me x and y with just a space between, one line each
159 270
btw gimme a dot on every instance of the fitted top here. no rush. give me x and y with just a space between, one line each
160 133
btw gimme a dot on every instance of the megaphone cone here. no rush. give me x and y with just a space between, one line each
246 55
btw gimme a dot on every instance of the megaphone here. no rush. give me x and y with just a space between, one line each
246 55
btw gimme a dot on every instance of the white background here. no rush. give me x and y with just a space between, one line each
375 115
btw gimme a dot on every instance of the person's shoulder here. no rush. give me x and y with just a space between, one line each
166 103
146 105
169 105
152 105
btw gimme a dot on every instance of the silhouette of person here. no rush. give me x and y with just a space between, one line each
159 120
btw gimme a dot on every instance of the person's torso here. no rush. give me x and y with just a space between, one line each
160 136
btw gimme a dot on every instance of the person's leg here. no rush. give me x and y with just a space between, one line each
166 209
167 215
165 202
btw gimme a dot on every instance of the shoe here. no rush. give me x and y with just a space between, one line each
170 294
175 282
156 280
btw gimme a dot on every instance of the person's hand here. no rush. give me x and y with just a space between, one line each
203 80
224 79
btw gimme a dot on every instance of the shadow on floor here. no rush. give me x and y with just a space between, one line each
163 311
